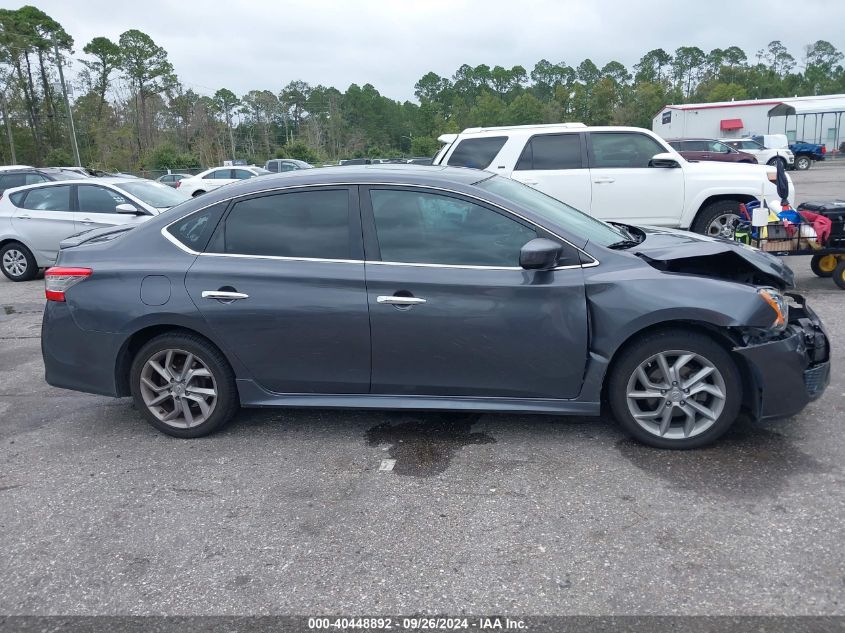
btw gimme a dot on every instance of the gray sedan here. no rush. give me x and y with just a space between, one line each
426 288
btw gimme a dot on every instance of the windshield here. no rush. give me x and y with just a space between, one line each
153 193
555 211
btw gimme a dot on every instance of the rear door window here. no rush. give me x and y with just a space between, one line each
477 153
551 151
48 199
304 224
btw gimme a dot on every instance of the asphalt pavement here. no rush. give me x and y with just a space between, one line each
288 512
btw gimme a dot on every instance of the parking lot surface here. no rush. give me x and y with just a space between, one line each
287 512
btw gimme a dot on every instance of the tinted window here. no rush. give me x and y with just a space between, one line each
428 228
93 199
695 146
8 181
48 199
219 174
17 198
677 145
272 165
477 152
552 151
623 149
194 230
301 224
716 146
34 179
242 174
287 167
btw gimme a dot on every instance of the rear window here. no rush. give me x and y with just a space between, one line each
477 153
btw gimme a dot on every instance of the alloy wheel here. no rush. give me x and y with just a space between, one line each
723 225
14 262
676 394
178 388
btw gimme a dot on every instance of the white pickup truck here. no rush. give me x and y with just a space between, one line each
620 174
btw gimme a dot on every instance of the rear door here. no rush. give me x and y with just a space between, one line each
45 219
298 317
625 188
556 164
95 207
451 311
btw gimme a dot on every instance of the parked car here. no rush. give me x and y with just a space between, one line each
215 177
34 219
19 175
419 288
356 161
763 154
621 174
278 165
806 153
171 179
709 149
420 160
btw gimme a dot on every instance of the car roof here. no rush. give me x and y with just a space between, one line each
72 181
548 128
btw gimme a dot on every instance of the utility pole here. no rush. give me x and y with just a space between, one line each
5 109
67 104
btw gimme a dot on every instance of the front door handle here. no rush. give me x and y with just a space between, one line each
399 301
531 182
24 217
604 181
223 295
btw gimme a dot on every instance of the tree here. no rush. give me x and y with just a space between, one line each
146 67
107 59
651 66
525 110
687 66
779 59
226 102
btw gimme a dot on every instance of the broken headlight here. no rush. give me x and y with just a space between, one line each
777 302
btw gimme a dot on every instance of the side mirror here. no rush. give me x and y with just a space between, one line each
664 160
539 254
129 209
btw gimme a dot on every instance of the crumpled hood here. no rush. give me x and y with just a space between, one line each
682 251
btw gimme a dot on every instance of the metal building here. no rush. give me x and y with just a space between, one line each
816 119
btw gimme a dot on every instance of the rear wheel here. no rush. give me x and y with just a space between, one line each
17 262
823 265
802 163
718 219
183 385
675 389
839 274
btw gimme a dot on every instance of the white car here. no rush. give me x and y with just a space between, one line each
34 219
764 155
620 174
217 177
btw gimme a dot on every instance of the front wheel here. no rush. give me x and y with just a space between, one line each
718 219
183 385
675 389
823 265
774 162
802 163
839 274
18 262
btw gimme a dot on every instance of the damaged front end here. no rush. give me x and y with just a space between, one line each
786 367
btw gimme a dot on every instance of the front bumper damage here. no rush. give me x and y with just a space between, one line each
788 372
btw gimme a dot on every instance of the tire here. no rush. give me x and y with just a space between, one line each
197 193
717 219
839 274
679 431
773 162
823 265
148 385
17 262
803 163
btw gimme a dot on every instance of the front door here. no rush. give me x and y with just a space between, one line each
282 285
451 311
45 220
625 188
96 207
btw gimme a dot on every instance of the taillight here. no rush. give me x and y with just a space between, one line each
824 151
178 182
59 278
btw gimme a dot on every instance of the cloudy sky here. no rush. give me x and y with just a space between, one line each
243 45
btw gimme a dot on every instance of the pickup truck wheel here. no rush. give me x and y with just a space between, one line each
675 389
823 265
718 219
802 163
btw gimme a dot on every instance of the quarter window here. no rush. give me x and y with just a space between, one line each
48 199
417 227
551 151
93 199
477 153
623 149
310 224
195 230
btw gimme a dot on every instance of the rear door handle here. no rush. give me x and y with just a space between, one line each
399 301
24 217
604 181
223 295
